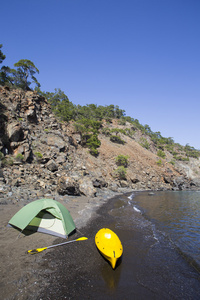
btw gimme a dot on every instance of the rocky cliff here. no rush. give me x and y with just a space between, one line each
41 154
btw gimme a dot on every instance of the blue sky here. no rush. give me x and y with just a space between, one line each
142 55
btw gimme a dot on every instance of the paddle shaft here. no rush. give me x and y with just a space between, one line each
62 244
34 251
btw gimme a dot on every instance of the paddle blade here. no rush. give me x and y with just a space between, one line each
82 239
35 251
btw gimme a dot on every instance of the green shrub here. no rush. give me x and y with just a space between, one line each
169 148
172 162
195 154
181 158
191 151
129 132
160 147
92 141
108 120
161 154
89 124
144 143
94 152
7 161
116 139
120 172
118 130
80 128
105 131
159 162
1 155
122 160
186 159
174 153
38 155
89 130
19 157
122 122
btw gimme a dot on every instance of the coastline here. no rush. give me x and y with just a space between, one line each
150 267
20 272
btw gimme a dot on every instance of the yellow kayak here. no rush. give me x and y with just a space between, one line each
109 245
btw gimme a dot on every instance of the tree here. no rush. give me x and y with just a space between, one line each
56 98
122 160
60 104
148 129
6 75
161 154
25 69
2 56
93 143
116 139
120 172
3 69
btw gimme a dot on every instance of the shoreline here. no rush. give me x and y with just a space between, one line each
150 268
20 271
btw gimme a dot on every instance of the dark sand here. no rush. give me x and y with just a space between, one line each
22 274
147 270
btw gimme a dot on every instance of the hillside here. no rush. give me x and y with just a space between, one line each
41 155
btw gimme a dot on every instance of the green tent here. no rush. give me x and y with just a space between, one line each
44 215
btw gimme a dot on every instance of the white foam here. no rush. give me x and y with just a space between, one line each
131 196
155 238
137 209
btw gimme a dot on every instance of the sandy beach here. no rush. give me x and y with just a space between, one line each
22 274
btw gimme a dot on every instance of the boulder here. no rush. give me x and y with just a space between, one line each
15 132
99 183
124 183
2 179
168 179
86 187
28 156
31 114
195 182
52 166
179 182
56 141
61 159
67 185
134 178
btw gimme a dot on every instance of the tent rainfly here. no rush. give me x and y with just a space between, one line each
44 215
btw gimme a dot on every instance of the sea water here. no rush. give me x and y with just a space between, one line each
160 234
176 215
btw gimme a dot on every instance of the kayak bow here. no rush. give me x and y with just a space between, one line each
109 245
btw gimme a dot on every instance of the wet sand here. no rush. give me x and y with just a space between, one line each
149 269
22 274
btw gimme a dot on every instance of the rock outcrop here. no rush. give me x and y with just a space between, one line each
40 155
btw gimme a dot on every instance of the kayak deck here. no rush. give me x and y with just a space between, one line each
109 245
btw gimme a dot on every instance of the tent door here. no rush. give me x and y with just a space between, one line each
46 223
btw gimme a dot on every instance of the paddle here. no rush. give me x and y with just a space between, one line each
34 251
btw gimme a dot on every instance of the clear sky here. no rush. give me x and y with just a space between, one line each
142 55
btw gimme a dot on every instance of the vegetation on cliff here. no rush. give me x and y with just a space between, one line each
88 118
